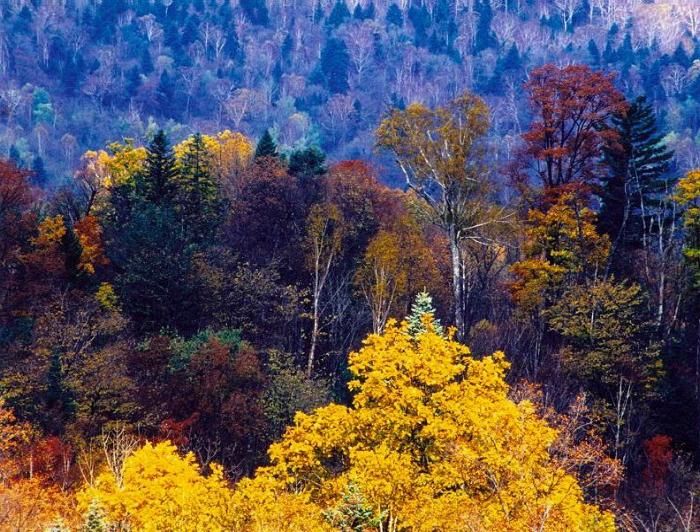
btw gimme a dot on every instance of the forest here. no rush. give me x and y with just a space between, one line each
405 267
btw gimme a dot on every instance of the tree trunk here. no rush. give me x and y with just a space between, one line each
457 287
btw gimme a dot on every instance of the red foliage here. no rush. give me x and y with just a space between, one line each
178 432
659 455
571 107
16 225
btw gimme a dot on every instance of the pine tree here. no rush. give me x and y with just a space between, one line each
422 306
95 519
157 184
266 146
636 181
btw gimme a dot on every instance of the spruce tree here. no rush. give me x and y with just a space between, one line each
198 191
636 181
95 519
422 306
157 183
266 146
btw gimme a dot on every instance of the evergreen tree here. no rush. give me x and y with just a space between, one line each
318 13
256 11
166 94
39 177
95 519
636 180
14 156
594 53
157 183
198 192
420 19
335 63
484 37
422 306
680 56
146 62
512 59
266 146
133 80
357 13
339 14
394 17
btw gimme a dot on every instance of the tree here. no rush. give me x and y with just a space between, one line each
266 146
609 347
198 192
395 264
484 37
421 310
339 14
324 241
566 139
430 439
16 224
394 17
157 183
441 154
159 490
95 518
638 162
335 62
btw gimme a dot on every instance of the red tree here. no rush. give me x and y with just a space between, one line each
571 107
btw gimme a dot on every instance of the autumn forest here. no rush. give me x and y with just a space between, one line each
408 321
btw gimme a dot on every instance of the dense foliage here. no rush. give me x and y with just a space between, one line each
198 329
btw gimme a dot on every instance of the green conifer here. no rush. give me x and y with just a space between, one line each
422 306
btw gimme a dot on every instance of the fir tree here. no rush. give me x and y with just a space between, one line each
198 191
335 63
157 183
256 11
484 37
339 14
95 519
266 146
394 17
636 180
422 306
594 53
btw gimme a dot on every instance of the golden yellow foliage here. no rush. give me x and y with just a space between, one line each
113 167
560 241
160 490
229 152
431 442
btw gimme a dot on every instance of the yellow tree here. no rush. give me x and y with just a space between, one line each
561 242
396 264
441 153
229 153
157 489
431 442
100 170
